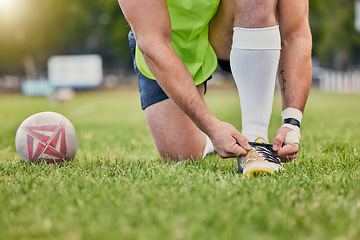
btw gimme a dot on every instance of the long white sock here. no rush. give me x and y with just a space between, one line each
254 60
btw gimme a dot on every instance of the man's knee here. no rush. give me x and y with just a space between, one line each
256 13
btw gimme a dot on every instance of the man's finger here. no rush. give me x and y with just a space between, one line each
279 140
238 150
234 151
243 142
288 150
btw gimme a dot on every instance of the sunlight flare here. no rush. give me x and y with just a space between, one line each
7 6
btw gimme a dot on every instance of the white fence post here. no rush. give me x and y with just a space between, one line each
341 82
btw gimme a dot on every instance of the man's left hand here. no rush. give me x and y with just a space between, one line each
285 151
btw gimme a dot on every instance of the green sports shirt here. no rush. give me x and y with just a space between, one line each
190 37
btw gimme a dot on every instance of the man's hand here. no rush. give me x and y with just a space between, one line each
228 142
285 151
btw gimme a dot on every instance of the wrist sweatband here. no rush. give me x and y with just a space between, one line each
291 118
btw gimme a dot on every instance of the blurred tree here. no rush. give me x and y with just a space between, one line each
33 30
336 42
38 29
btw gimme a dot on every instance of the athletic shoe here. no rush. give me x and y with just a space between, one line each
260 159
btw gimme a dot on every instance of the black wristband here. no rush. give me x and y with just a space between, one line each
292 121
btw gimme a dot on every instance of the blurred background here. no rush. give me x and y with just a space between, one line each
33 31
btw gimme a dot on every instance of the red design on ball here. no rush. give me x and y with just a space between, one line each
47 144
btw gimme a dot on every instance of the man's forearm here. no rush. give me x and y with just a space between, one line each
295 69
295 72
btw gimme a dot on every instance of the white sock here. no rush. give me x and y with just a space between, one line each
209 147
254 60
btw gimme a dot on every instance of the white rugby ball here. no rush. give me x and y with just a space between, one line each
46 136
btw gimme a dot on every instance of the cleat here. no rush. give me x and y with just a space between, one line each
260 159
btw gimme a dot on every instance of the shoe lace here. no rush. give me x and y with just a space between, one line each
266 152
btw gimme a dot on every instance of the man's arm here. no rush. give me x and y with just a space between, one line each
295 69
295 63
150 22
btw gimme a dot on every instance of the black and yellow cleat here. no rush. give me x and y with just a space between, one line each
260 159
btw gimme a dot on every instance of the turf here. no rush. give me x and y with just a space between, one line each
118 188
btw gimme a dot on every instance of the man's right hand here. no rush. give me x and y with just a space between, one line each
227 141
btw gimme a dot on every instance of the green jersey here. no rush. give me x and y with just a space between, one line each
190 37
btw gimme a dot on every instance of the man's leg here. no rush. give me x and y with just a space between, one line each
254 61
174 134
254 57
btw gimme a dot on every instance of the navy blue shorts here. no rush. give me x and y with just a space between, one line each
150 91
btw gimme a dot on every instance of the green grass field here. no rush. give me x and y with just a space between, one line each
118 188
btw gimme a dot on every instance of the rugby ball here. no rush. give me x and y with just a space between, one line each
48 137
